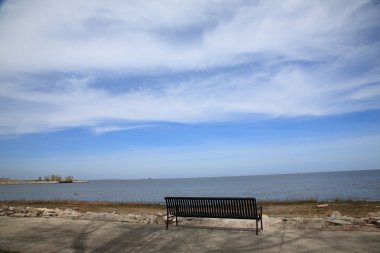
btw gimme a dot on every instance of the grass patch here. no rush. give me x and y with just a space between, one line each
288 208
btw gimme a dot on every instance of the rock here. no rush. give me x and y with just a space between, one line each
339 222
375 221
322 205
11 208
356 221
108 217
30 209
20 215
338 219
114 217
10 212
70 213
49 213
298 219
171 218
346 218
149 216
273 220
336 214
371 214
159 218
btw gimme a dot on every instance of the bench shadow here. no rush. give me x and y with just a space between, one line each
216 228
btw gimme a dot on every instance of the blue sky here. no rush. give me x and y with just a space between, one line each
136 89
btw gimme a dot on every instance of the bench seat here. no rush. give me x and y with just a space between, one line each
214 207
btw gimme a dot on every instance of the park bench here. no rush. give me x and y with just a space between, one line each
205 207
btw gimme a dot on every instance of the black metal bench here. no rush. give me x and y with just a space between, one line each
205 207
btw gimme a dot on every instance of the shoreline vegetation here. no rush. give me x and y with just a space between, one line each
306 215
289 208
39 182
53 179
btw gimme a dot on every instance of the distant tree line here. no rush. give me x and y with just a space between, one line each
58 178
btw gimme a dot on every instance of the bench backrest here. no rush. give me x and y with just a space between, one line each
235 208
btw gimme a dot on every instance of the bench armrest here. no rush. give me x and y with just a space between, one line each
260 211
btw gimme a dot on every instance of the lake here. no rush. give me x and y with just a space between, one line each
356 185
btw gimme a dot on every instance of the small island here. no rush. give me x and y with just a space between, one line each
53 179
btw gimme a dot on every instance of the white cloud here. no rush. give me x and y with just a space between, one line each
296 58
221 97
108 129
72 35
367 92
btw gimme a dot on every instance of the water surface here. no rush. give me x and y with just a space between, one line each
356 185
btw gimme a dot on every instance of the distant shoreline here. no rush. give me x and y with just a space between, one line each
7 182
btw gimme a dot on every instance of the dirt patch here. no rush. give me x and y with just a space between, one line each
95 207
305 209
342 216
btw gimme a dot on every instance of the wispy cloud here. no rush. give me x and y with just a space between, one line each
220 61
76 35
108 129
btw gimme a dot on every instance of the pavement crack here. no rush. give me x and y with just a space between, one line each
282 241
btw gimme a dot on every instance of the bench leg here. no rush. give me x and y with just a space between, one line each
167 221
261 220
176 221
257 227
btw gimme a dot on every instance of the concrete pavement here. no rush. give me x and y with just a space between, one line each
66 235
